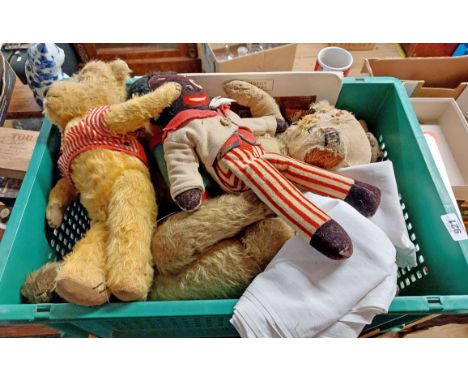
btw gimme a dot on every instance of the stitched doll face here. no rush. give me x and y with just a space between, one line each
193 96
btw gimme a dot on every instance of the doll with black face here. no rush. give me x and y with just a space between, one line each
193 96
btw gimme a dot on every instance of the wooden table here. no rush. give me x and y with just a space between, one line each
22 103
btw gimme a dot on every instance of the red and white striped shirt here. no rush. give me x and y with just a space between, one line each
91 133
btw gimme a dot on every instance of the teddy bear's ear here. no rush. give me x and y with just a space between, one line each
120 69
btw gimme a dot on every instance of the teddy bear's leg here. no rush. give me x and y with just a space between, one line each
364 197
225 269
39 285
131 221
81 277
264 239
182 237
222 271
309 221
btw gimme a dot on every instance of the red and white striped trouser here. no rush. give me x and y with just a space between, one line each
273 178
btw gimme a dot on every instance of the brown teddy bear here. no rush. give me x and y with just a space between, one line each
104 164
217 250
325 137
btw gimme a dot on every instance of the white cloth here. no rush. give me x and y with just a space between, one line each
304 294
389 216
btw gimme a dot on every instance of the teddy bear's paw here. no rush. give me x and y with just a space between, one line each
332 241
39 286
364 197
82 292
54 215
131 286
131 295
171 91
137 292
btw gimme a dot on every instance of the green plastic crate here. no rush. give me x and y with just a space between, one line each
441 286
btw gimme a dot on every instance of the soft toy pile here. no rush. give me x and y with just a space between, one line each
216 245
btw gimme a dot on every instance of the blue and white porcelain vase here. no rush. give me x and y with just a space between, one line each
43 67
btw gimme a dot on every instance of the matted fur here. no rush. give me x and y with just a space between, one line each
114 257
184 237
226 268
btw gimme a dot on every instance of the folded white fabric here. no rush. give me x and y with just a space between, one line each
389 216
304 294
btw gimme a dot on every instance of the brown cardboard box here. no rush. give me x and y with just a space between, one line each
16 148
354 46
442 120
441 77
276 59
433 77
7 83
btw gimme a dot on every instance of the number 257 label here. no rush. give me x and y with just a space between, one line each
455 228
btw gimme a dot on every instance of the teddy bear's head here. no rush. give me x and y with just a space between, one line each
328 137
97 84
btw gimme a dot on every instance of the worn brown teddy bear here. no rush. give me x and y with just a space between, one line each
325 137
104 164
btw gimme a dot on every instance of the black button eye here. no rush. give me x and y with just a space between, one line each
189 88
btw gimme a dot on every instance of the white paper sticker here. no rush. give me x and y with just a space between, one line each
455 228
266 85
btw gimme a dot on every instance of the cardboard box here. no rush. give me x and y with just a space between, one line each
280 58
294 92
462 101
7 84
441 77
354 46
445 77
446 131
16 148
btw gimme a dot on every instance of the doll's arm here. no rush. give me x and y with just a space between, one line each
184 177
132 115
61 195
257 100
265 125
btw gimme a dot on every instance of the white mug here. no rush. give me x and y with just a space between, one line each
334 59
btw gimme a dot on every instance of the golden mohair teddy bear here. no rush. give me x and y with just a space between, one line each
102 162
